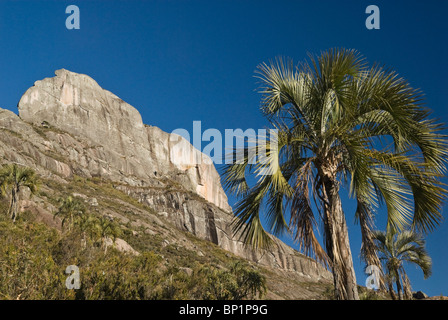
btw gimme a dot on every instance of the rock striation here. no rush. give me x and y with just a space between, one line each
91 132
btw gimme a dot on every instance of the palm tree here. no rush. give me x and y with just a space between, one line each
339 123
88 226
70 209
395 249
107 229
12 179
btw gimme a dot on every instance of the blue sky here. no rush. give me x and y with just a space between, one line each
183 61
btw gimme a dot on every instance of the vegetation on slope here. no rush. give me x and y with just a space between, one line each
34 257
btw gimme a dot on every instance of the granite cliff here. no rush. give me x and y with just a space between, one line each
69 127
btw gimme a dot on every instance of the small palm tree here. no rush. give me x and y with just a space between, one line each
12 179
340 123
395 249
108 229
70 209
87 225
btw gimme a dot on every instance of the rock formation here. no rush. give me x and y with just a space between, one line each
96 134
127 150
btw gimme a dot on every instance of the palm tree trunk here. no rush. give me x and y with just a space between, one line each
368 248
84 240
10 205
391 290
407 293
13 207
399 290
337 242
105 246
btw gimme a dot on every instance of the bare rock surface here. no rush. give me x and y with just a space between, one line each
120 145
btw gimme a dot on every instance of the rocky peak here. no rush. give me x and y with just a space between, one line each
75 103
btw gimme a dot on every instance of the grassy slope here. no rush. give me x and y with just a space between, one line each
142 228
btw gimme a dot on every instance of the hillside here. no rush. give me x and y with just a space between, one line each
87 143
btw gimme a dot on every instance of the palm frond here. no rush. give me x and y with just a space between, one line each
302 217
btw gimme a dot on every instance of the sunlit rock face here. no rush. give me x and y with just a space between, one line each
76 104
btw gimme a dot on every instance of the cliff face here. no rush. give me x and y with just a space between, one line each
127 150
90 132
